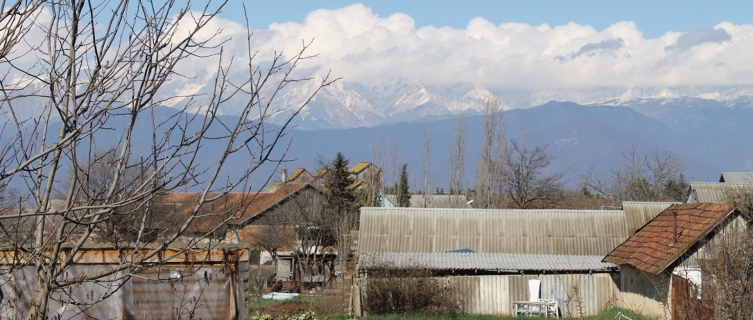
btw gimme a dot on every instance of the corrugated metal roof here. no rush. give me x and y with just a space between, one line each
737 177
484 261
717 192
562 232
639 213
656 246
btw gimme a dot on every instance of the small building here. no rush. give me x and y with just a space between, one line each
180 282
737 177
491 282
667 253
562 248
718 192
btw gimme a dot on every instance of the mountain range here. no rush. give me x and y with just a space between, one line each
709 128
369 104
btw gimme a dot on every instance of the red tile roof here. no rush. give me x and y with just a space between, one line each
653 248
237 207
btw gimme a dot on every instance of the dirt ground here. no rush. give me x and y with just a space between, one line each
287 308
324 304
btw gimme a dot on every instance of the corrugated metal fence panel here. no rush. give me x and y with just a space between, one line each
580 232
494 296
204 294
578 294
468 289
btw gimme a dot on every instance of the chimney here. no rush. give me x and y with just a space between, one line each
674 227
284 176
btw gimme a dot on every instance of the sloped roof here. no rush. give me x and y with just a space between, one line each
717 192
639 213
737 177
360 167
297 173
506 262
239 207
652 248
562 232
320 173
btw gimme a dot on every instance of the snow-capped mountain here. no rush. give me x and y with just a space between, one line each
368 104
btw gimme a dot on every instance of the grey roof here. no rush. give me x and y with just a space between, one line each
737 177
509 262
562 232
717 192
639 213
436 201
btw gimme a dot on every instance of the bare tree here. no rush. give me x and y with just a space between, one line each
457 159
489 179
527 185
427 179
656 175
97 70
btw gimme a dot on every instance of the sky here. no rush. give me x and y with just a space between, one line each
499 45
654 18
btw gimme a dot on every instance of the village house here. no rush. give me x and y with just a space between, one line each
267 221
661 262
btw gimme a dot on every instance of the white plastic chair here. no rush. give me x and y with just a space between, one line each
534 288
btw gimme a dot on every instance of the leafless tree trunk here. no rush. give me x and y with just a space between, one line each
457 161
88 70
489 179
427 174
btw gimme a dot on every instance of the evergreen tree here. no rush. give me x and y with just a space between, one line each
339 197
340 210
403 195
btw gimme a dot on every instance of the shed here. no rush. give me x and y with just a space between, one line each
562 248
208 283
718 192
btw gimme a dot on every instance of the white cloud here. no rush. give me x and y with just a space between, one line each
358 45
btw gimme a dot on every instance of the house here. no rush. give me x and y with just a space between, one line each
718 192
663 258
366 171
267 221
300 175
737 177
504 249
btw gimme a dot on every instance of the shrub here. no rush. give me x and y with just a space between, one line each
408 290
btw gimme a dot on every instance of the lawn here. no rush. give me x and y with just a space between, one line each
611 314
